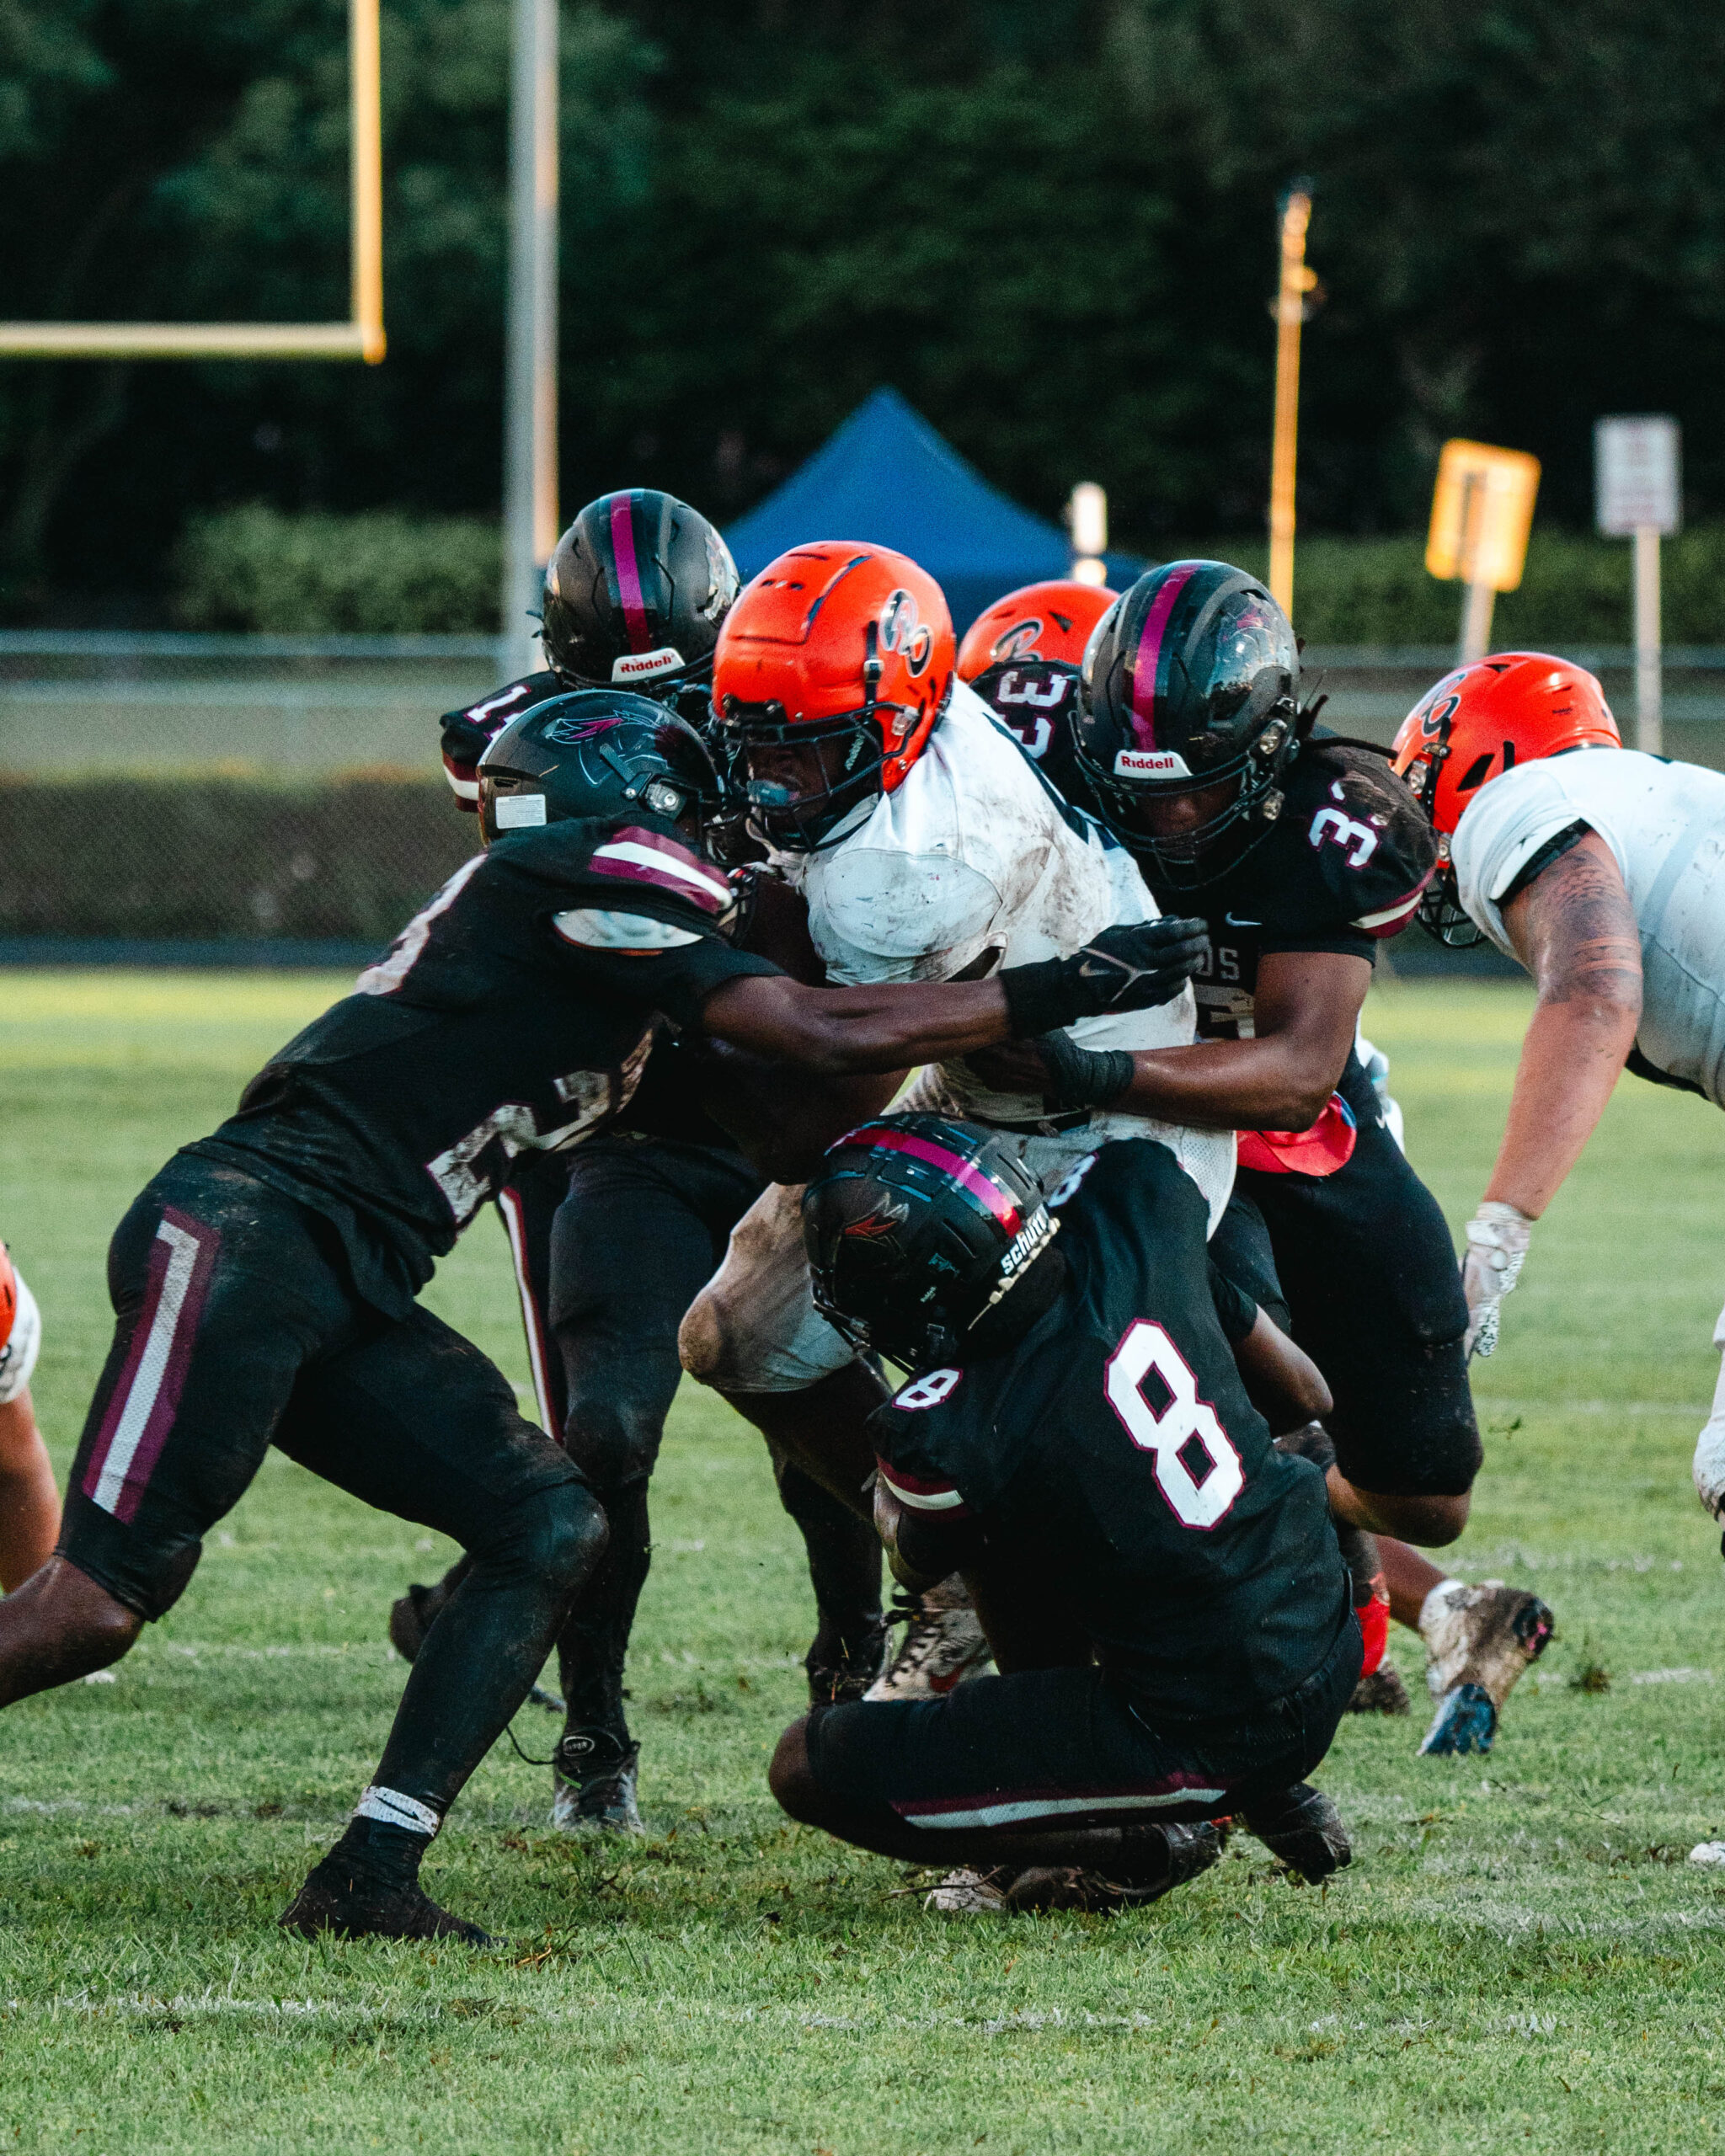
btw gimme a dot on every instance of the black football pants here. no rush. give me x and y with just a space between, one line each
638 1227
1360 1268
237 1328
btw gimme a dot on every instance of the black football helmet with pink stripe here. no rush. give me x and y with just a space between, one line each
916 1230
634 595
597 753
1189 682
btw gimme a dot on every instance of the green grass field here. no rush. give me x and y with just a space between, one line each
1520 1957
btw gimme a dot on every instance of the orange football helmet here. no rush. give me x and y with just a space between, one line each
1481 721
1486 718
846 648
1049 620
9 1297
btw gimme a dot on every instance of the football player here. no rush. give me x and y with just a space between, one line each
1602 872
610 1243
264 1281
926 846
29 1504
1302 851
1073 1435
1022 656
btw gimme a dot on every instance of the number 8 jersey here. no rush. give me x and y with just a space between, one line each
1114 1453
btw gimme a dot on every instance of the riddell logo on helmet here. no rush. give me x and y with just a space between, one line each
1150 763
646 665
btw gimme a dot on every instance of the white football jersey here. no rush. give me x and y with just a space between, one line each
1665 825
18 1357
975 862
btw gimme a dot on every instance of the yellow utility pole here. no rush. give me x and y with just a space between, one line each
1297 281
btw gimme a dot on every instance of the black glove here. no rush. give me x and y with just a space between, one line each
1122 969
1081 1077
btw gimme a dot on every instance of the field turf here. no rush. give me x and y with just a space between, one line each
1521 1958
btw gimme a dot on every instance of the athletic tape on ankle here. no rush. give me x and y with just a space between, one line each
395 1810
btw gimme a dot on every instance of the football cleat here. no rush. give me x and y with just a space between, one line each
1189 1851
593 1782
1479 1639
1382 1693
1304 1829
337 1899
841 1673
970 1894
943 1644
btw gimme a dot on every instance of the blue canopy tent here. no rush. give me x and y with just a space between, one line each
886 475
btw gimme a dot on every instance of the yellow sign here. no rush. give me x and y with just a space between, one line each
1482 511
360 336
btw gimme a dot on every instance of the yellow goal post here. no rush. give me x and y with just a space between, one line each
360 337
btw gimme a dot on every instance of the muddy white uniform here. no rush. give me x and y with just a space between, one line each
973 864
1665 825
18 1357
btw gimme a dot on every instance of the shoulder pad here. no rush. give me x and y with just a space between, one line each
1366 834
467 733
643 865
494 711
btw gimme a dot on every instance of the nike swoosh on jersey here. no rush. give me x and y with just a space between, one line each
1233 920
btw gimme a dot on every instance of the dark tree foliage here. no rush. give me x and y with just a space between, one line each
1049 222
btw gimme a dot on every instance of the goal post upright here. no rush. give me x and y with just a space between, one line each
359 337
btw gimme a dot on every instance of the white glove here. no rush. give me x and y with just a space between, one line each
1497 1246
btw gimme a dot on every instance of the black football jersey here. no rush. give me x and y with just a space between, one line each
1342 867
515 1012
1115 1451
469 733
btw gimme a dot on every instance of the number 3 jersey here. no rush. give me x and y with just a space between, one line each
1114 1457
1342 866
516 1013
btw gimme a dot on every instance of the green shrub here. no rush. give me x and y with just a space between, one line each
1575 590
220 857
381 574
256 568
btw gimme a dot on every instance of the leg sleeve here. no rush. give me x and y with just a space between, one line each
417 1421
639 1233
642 1228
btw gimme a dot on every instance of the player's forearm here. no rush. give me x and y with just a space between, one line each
837 1031
1278 1084
1569 1064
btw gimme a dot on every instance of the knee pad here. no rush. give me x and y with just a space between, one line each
556 1536
613 1439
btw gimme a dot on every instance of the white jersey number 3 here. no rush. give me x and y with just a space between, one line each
1199 1494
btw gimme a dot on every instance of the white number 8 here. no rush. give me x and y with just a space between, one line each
1144 1348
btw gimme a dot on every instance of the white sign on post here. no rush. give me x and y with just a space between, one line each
1636 476
1639 491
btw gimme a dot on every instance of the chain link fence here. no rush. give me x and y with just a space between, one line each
276 798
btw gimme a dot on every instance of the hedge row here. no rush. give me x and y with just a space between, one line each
216 857
253 569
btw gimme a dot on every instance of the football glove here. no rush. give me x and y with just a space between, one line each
1497 1247
1124 969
